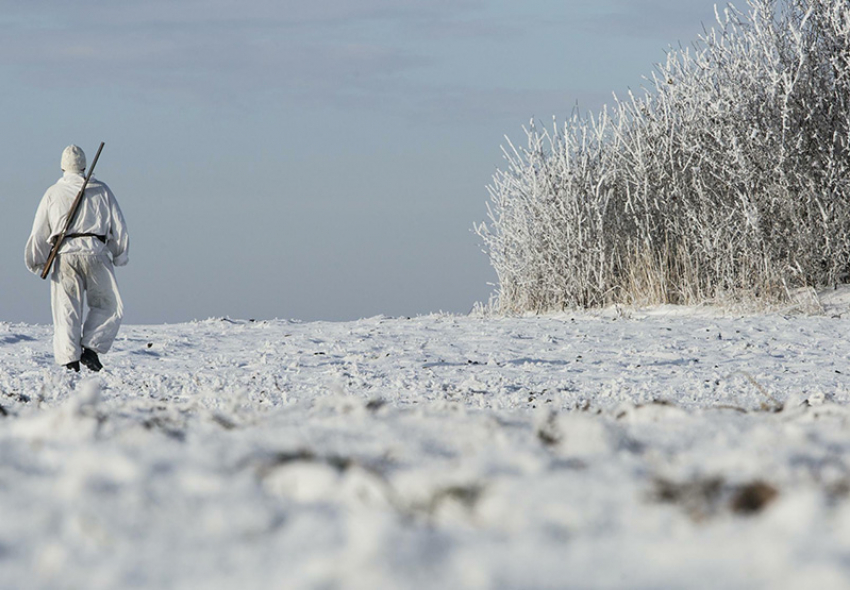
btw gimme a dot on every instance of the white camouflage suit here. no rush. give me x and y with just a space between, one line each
83 265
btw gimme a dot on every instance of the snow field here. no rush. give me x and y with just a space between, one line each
667 450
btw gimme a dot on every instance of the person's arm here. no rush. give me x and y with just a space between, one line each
38 245
118 240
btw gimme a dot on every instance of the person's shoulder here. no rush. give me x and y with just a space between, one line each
99 185
53 188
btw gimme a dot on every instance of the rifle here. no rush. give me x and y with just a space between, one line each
71 215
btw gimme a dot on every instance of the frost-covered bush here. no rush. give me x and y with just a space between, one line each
728 178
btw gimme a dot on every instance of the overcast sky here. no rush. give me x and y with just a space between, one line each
293 159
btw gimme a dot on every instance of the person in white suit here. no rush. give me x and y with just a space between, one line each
96 241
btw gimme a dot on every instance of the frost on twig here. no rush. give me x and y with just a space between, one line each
728 178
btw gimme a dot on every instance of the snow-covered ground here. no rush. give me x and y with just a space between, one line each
655 450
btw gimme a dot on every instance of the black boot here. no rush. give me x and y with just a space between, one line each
90 360
73 366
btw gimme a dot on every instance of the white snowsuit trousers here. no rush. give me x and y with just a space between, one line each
73 276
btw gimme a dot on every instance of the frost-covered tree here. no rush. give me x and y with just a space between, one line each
729 177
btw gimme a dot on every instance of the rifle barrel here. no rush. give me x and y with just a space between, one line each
70 219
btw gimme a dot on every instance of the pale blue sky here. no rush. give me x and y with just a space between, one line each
310 160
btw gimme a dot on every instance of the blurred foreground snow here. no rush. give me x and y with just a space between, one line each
667 450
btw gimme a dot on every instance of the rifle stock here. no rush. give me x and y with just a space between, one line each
70 219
